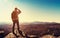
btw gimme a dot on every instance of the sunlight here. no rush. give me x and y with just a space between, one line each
29 12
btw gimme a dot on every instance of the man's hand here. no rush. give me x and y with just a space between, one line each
19 11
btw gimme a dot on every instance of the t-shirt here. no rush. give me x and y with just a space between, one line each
14 15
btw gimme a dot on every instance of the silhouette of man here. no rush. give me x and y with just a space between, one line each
15 20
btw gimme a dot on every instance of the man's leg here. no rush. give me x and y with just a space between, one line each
20 32
17 24
14 29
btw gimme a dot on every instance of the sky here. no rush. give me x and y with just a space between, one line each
32 10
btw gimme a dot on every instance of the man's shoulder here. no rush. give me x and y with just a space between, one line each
13 11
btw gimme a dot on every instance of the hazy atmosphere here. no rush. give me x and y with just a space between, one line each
32 10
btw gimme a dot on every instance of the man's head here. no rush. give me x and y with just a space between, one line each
16 8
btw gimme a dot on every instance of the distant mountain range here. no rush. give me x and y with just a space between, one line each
34 28
6 28
41 28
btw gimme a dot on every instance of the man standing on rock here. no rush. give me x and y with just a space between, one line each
15 20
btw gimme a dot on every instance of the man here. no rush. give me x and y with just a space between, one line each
15 20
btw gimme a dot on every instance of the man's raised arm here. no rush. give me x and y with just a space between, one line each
19 11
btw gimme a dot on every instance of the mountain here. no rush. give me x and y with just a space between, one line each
41 28
5 29
33 28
